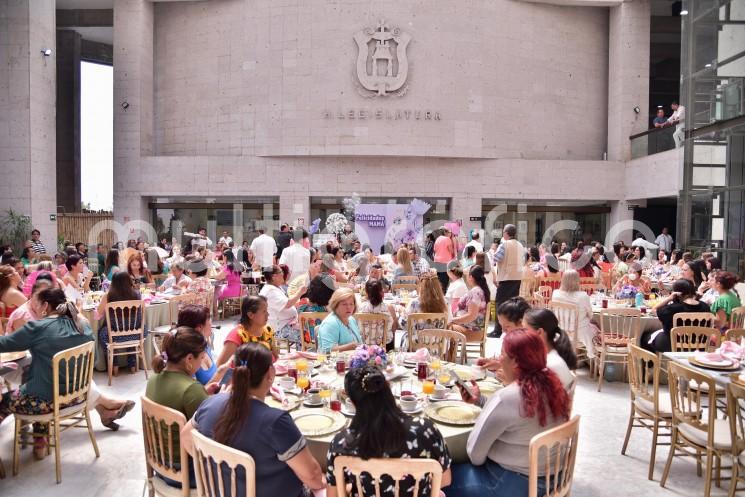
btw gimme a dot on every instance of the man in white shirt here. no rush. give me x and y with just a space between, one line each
679 114
264 247
200 241
225 239
475 242
665 241
296 256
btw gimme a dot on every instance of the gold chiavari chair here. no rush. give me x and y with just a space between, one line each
373 328
618 329
448 344
126 319
554 452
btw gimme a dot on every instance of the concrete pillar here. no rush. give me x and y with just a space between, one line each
293 207
464 208
27 113
68 119
628 75
621 222
133 105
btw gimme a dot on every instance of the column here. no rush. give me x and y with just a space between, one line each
68 119
628 75
620 224
294 208
27 113
464 208
133 105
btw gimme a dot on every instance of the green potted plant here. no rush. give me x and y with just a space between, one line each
15 229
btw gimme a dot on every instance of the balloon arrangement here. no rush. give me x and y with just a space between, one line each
335 223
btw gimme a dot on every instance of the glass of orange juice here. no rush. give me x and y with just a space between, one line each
321 357
301 365
325 392
303 381
435 364
428 387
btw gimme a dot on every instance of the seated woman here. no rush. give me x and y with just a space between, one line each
510 313
57 330
282 311
11 297
457 288
569 293
122 288
318 295
339 331
498 445
41 268
25 312
470 256
404 267
173 384
374 305
77 280
379 429
136 269
177 281
200 283
471 314
240 419
59 264
707 288
633 278
681 299
231 273
429 296
693 271
252 328
111 267
641 256
561 358
724 282
198 318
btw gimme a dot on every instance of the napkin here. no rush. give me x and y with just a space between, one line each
9 365
421 355
731 350
279 393
311 356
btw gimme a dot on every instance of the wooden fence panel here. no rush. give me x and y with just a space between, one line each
76 227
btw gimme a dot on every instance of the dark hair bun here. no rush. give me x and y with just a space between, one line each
373 380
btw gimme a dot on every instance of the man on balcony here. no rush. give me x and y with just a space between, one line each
679 113
660 120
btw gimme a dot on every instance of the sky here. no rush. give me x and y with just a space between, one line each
97 135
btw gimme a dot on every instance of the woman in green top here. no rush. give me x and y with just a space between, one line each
722 307
58 329
174 385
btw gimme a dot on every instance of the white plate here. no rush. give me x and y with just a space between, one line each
308 403
724 362
346 411
419 408
396 373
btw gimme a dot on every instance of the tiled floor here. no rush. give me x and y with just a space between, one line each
120 471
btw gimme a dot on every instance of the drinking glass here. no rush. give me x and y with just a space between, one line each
322 357
444 378
325 392
435 364
303 382
428 387
301 365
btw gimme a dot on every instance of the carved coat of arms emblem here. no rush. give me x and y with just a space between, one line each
382 66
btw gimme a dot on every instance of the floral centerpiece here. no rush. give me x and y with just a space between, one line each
627 292
373 355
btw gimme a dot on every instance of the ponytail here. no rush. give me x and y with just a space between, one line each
177 345
546 320
477 273
251 364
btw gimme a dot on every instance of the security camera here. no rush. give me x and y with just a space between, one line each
46 52
125 105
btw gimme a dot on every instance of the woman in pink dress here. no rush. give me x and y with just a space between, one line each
231 273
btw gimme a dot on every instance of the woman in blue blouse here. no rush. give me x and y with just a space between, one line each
339 331
198 317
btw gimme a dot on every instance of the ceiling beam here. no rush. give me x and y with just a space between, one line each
85 18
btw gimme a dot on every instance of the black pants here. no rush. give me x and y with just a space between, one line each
505 291
442 275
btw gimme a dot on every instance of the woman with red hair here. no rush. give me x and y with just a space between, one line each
532 402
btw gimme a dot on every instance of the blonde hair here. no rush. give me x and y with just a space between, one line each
431 298
570 281
404 259
339 295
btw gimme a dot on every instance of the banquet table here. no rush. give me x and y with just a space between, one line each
156 314
11 374
649 322
721 378
455 436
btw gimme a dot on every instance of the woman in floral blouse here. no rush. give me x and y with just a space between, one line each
251 328
471 314
380 429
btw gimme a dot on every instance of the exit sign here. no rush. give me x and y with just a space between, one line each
52 217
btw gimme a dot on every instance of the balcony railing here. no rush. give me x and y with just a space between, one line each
653 141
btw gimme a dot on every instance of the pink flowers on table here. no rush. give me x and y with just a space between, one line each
368 354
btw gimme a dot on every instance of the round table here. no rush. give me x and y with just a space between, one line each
155 315
456 437
649 322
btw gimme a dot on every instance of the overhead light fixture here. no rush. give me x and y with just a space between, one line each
707 65
659 107
684 12
46 52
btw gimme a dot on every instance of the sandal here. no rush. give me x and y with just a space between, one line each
124 409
